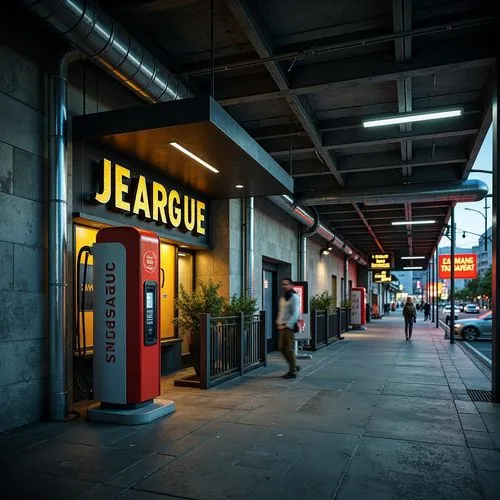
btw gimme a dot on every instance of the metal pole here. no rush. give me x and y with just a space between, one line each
346 277
58 238
486 224
437 287
495 369
431 289
249 250
452 280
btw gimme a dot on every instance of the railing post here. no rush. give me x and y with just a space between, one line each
263 338
314 329
327 325
339 315
205 350
242 342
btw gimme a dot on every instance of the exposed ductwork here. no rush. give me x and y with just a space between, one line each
89 29
458 191
303 216
85 25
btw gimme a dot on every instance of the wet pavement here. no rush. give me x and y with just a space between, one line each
372 416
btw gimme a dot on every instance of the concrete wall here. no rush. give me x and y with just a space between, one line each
23 229
321 268
23 205
276 238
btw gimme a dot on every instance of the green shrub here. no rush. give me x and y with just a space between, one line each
204 299
236 305
323 301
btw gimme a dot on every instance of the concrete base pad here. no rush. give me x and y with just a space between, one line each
144 415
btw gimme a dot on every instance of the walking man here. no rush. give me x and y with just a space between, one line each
427 311
288 315
410 315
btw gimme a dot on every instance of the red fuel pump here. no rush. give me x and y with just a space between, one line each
126 323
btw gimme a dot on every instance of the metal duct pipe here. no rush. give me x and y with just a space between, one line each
92 31
249 247
58 238
457 191
287 205
346 278
88 28
303 245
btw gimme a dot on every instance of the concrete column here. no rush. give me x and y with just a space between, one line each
495 370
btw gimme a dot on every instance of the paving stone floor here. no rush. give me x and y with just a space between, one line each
371 417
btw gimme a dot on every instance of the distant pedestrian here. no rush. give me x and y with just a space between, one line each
427 311
410 316
288 315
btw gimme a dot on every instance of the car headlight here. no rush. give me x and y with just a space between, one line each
458 325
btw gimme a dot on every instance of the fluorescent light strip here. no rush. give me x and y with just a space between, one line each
412 117
411 257
411 222
410 268
194 157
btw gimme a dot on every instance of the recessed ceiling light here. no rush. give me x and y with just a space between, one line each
412 117
411 222
194 157
239 186
413 257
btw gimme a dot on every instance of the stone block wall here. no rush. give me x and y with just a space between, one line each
23 229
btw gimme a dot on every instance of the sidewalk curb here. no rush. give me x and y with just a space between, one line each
478 355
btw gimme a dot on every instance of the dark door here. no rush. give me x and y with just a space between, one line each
269 304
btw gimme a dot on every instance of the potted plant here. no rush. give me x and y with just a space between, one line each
246 305
204 299
323 301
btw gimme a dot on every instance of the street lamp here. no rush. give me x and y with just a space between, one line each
485 217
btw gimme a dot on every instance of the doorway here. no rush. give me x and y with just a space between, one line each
269 303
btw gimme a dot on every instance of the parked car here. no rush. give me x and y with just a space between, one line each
472 308
447 313
475 328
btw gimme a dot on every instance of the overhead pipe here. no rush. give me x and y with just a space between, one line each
85 25
304 217
455 191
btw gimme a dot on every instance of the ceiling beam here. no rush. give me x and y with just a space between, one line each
254 26
358 138
390 161
375 68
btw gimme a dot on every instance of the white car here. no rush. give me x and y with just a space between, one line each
447 313
472 308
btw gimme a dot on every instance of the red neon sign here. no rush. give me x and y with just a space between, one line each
465 266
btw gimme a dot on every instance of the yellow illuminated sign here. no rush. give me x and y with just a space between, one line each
150 200
381 261
382 277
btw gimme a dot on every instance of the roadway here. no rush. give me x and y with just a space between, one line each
481 345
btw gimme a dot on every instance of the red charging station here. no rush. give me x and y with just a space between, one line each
358 307
126 317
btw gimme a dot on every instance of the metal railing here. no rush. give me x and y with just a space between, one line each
326 326
231 346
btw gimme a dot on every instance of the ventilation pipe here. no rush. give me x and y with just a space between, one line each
93 32
85 25
58 238
303 245
456 191
304 217
249 221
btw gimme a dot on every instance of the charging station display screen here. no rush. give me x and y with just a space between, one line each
150 292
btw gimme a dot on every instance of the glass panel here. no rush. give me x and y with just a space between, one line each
167 295
85 236
185 266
